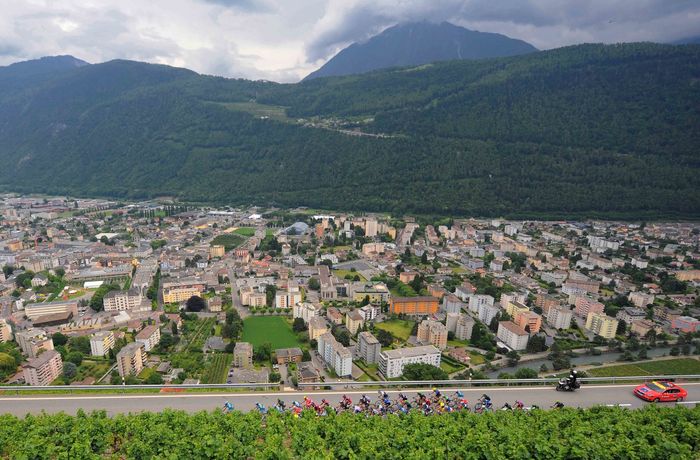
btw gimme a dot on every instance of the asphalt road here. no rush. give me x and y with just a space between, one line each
588 395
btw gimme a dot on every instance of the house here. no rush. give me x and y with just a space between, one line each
334 316
243 355
407 276
215 304
307 373
214 343
40 280
246 375
460 354
288 355
354 321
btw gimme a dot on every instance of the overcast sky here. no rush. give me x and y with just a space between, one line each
284 40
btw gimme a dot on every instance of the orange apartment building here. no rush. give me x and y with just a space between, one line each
531 319
414 305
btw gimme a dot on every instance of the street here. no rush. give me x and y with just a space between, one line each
544 397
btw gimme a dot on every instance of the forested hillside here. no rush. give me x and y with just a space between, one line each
589 130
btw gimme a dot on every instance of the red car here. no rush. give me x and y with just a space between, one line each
659 391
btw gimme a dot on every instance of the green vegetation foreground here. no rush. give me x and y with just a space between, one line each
597 433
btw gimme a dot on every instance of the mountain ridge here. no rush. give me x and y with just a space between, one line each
567 132
418 43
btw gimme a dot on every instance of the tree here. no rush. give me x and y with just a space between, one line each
173 328
154 379
513 357
298 325
342 335
675 351
166 341
75 357
422 371
384 337
544 368
621 327
262 353
270 293
59 339
81 344
70 370
314 284
275 377
493 326
305 355
526 373
536 344
97 300
196 303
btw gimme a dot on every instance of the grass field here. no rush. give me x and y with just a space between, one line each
269 329
449 367
663 367
228 240
343 273
218 368
399 328
274 112
244 231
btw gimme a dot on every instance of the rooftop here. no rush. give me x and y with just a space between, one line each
411 352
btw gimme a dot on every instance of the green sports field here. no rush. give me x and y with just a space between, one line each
275 330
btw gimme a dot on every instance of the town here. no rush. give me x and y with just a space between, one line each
104 292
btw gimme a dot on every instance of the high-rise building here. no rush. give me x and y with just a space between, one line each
243 355
512 335
369 347
432 332
44 369
464 327
32 341
101 343
559 317
335 355
602 325
131 359
5 331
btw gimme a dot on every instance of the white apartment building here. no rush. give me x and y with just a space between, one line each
464 327
149 337
559 317
335 355
513 297
512 335
487 313
32 341
101 342
123 300
392 362
304 310
477 300
432 332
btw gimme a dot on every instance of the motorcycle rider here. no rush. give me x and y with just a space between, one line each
573 379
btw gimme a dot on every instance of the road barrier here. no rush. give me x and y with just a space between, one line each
399 384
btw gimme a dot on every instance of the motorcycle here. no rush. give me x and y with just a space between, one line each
567 385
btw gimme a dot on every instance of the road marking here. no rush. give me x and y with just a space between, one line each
301 394
687 402
618 405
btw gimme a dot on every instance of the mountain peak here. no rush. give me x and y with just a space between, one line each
417 43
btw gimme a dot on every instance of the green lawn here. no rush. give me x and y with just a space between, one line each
228 240
343 273
245 231
273 329
449 367
399 328
664 367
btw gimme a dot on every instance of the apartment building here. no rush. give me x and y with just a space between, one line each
392 362
305 311
180 291
451 304
369 347
602 325
101 342
32 341
451 321
252 297
217 250
559 317
464 327
630 314
585 305
44 369
509 297
317 327
477 300
149 337
354 321
131 359
243 355
335 355
432 332
488 313
641 299
414 305
545 302
375 293
512 335
529 321
123 300
5 331
575 286
287 298
513 308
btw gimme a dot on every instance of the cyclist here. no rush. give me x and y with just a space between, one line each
228 407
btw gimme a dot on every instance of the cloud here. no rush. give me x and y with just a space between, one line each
284 40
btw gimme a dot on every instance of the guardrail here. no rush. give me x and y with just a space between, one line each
499 382
345 384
